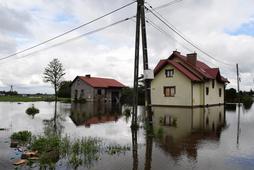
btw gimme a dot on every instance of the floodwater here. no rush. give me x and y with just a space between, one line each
184 138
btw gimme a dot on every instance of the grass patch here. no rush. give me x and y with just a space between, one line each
32 99
50 149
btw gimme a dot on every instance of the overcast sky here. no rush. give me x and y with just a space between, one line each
222 28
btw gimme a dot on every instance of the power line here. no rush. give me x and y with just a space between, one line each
167 34
77 37
167 4
185 39
67 32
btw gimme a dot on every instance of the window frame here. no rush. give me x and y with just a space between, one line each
213 83
220 92
170 87
99 92
170 71
207 91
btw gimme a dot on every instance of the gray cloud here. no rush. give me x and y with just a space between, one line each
110 53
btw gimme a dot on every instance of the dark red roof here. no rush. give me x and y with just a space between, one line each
178 66
101 119
198 72
98 82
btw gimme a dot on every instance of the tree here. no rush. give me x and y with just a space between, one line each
53 74
65 89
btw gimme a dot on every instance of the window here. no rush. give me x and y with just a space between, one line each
82 93
168 121
169 72
207 90
169 91
99 91
213 83
220 92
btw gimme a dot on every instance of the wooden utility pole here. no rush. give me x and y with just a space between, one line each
140 19
136 69
238 90
237 73
145 63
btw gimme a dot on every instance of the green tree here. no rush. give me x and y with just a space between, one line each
53 74
65 89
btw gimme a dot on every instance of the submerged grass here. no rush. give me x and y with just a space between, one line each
76 152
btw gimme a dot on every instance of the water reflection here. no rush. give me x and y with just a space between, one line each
54 126
134 149
91 113
183 129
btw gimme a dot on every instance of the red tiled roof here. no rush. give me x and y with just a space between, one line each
98 82
178 66
101 119
198 72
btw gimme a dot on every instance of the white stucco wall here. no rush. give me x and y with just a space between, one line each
198 96
213 96
181 83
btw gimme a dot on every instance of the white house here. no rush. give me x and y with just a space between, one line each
186 82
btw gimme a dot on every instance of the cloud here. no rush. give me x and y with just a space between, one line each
221 28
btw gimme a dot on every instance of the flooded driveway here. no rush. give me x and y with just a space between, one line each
184 138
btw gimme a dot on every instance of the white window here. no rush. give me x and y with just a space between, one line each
169 72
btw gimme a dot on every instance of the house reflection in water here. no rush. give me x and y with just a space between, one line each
89 113
183 129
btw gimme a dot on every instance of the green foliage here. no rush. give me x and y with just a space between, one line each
46 144
22 136
159 133
127 96
9 93
65 89
31 111
247 101
230 95
116 149
31 99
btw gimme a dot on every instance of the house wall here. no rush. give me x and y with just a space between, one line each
198 95
90 93
81 85
213 97
180 81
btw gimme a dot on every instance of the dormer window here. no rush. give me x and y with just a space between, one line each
169 72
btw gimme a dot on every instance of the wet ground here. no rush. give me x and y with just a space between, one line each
200 138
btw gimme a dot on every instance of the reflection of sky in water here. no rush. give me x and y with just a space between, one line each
181 147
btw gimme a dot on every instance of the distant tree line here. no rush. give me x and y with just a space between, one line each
9 93
245 97
127 95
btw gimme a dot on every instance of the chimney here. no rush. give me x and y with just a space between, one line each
88 75
176 52
192 58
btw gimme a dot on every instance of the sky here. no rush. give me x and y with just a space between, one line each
222 28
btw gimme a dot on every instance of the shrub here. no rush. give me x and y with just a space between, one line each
22 136
31 111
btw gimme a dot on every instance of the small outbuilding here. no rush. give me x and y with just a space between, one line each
96 89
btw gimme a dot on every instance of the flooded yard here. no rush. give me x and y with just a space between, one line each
183 138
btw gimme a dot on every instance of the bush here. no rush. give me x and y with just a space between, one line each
31 111
22 136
